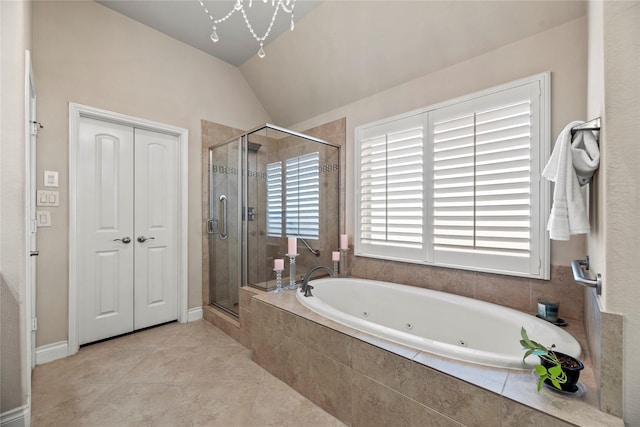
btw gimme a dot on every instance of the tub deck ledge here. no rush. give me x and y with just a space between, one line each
512 391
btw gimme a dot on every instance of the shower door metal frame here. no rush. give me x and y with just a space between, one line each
241 140
243 196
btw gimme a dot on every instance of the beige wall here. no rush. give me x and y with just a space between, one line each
16 37
614 94
561 50
88 54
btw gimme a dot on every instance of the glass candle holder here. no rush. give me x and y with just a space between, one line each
343 263
279 289
292 271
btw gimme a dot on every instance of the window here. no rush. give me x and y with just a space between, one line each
301 200
302 207
458 184
391 186
274 199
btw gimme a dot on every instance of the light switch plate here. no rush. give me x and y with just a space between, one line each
47 198
43 218
50 178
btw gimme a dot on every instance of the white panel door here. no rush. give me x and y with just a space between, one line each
105 229
156 224
127 229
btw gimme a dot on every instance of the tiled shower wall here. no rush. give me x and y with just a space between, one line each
331 215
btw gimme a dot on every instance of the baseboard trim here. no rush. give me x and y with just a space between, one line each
194 314
50 352
18 417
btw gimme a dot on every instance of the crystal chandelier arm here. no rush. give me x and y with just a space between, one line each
239 6
266 34
217 21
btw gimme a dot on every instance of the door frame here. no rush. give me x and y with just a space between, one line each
75 112
30 226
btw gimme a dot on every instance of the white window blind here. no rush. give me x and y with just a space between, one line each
481 181
391 184
458 184
274 199
302 202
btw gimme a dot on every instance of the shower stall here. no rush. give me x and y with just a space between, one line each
266 186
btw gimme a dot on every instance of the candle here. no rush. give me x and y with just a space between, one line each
344 241
278 264
293 246
335 256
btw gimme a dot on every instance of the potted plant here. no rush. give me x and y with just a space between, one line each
555 369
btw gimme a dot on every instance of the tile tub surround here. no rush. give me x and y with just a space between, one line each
510 291
363 380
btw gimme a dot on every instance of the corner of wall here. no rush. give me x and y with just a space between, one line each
604 336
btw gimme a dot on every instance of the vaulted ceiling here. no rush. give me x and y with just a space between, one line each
342 51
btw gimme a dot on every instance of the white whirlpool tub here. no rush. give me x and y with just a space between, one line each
445 324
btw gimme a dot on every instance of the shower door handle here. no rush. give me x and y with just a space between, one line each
223 233
212 226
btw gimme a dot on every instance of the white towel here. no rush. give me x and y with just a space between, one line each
568 213
585 154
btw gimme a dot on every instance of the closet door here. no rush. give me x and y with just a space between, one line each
156 222
105 229
127 229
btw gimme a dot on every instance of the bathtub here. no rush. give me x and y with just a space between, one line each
445 324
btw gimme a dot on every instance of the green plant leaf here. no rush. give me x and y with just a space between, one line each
555 372
527 343
541 370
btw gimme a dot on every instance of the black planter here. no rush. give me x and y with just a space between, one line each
572 370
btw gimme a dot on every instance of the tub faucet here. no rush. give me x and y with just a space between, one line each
306 287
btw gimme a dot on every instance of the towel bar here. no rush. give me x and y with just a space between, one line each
579 277
590 125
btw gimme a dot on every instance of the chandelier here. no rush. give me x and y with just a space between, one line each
239 6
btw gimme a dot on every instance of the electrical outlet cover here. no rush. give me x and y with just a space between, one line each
43 218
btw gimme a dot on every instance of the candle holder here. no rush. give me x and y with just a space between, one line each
279 289
335 267
292 271
343 263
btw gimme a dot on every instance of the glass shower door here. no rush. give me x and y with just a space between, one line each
223 226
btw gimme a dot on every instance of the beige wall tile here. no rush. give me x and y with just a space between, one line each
377 405
517 415
333 344
413 275
329 385
424 416
509 291
463 402
457 282
611 375
382 366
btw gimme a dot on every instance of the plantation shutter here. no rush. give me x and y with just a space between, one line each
458 184
274 199
391 186
302 185
482 181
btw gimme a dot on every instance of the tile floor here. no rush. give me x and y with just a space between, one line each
174 375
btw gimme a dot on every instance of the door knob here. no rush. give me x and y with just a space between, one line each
143 239
124 240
